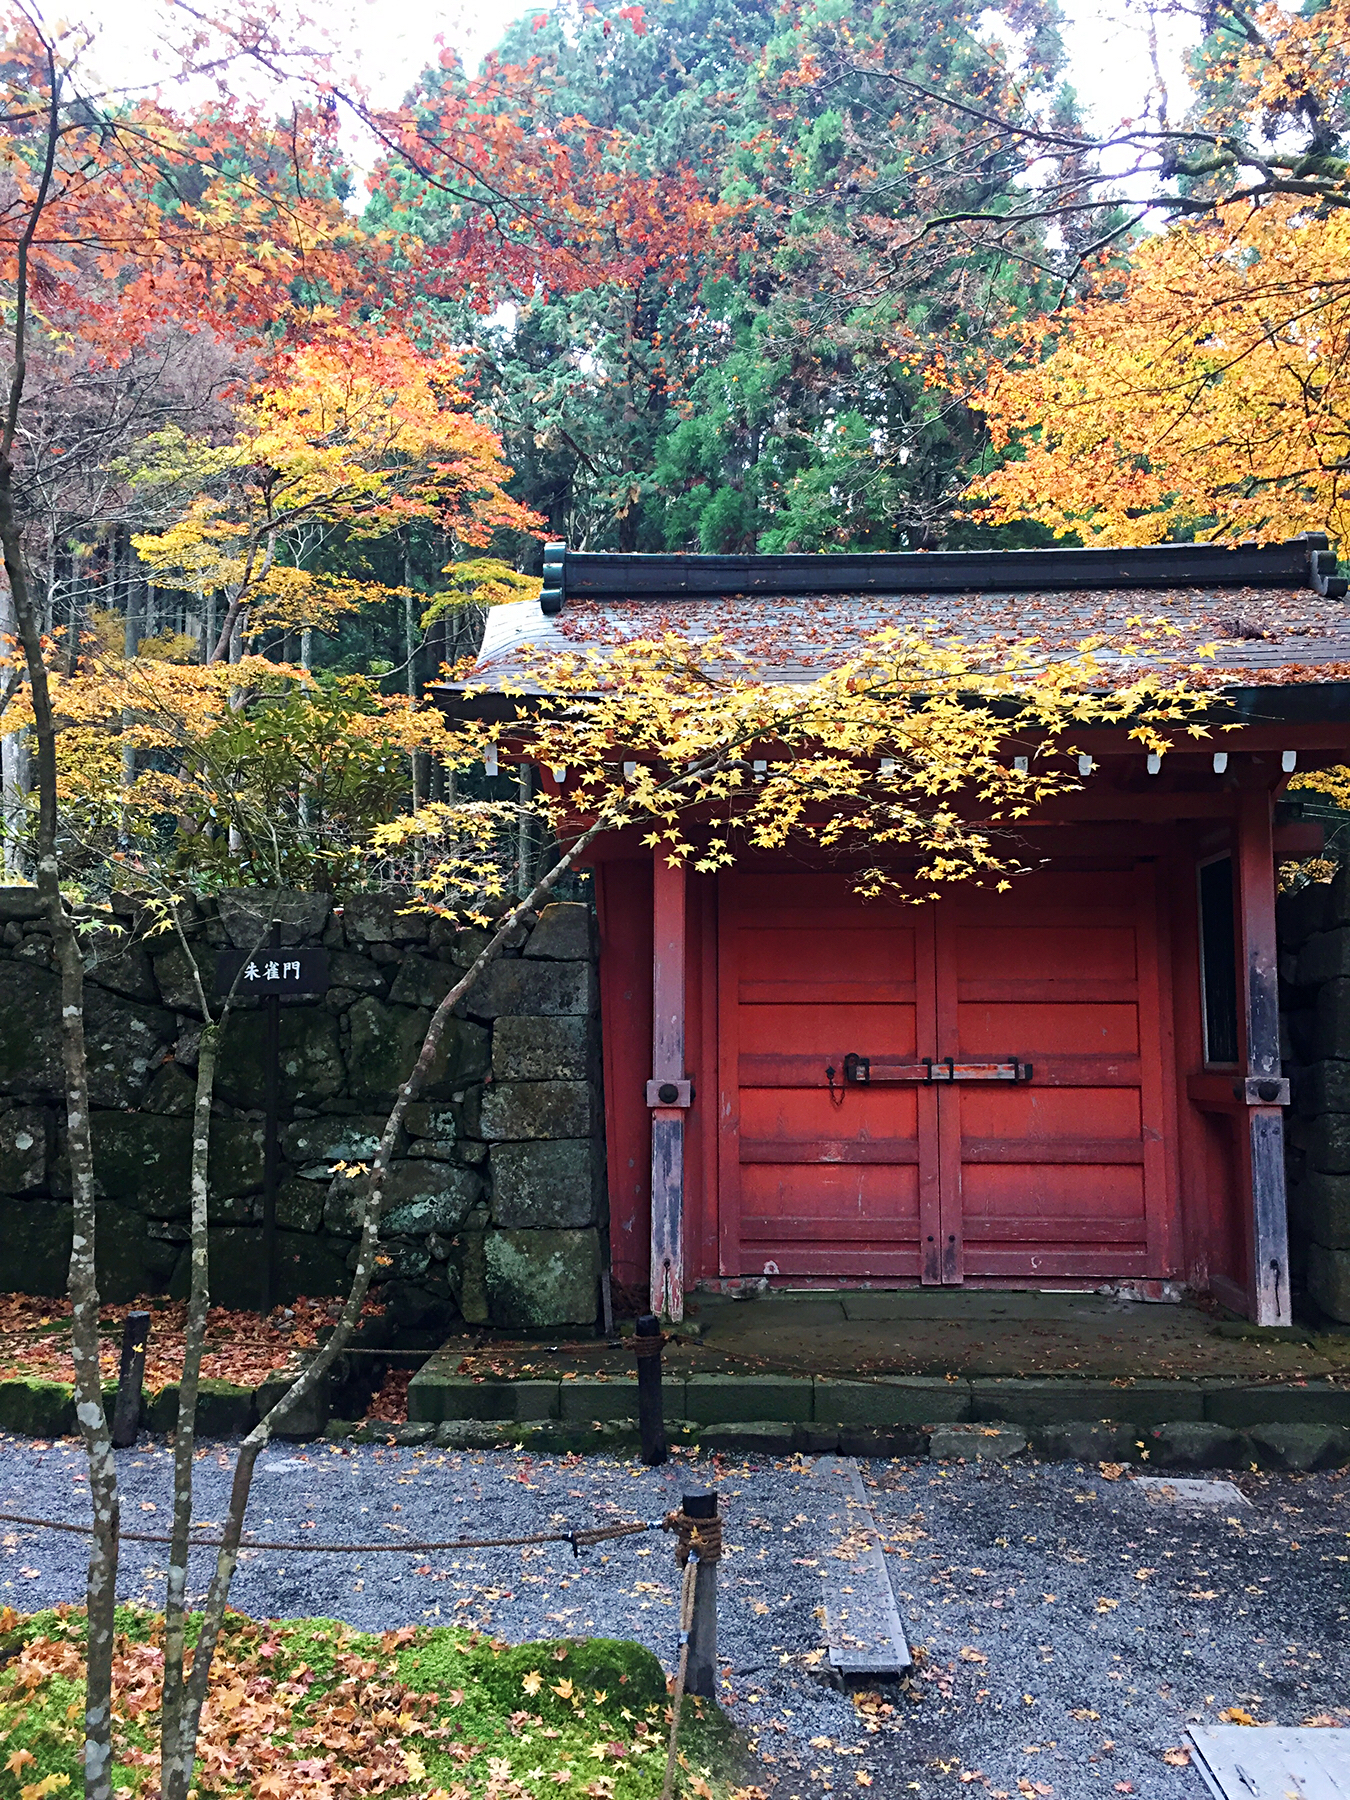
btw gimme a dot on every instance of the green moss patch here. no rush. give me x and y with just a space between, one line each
310 1707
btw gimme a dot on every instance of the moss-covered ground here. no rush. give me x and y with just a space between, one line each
313 1709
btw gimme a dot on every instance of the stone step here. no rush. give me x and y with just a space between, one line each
440 1392
1181 1444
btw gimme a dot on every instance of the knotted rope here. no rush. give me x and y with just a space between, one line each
701 1535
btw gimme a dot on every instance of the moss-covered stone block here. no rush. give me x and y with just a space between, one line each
36 1236
127 1260
117 962
1028 1400
563 933
516 985
1242 1404
398 1259
174 974
891 1400
727 1399
143 1161
543 1049
172 1090
1330 1035
387 1040
247 914
357 973
223 1410
1085 1440
428 1196
124 1040
587 1399
314 1145
1192 1444
1324 957
306 1265
300 1204
1329 1280
312 1070
543 1185
30 1037
527 1111
238 1153
420 1196
37 1408
421 982
389 918
1321 1205
537 1279
23 1149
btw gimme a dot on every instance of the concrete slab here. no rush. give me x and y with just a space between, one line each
862 1623
1273 1763
1186 1491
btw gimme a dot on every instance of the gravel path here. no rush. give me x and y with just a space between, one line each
1068 1627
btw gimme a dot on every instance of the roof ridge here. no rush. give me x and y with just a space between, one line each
1303 561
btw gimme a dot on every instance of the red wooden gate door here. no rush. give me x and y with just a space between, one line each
817 1179
972 1088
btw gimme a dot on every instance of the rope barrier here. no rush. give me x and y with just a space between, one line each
579 1540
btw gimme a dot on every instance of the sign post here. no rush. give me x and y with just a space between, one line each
268 974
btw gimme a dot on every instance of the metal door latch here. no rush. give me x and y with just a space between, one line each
866 1071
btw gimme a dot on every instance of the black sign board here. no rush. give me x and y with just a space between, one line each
272 972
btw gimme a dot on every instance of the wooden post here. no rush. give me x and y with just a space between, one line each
701 1677
130 1375
1263 1089
668 1092
651 1410
272 1131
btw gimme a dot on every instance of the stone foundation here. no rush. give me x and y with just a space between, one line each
1315 1000
495 1208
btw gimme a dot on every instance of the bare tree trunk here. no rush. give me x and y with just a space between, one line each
102 1579
13 766
131 644
172 1717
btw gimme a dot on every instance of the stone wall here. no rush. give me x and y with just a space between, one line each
495 1208
1315 999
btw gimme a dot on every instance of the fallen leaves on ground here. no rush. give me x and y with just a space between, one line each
241 1347
1237 1715
312 1710
1178 1758
391 1403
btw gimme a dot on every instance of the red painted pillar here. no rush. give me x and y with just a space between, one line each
668 1091
1263 1090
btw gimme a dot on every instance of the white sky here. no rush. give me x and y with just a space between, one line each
391 40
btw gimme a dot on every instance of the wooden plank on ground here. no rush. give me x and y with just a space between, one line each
1241 1762
862 1625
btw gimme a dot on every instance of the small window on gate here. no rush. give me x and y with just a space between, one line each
1218 960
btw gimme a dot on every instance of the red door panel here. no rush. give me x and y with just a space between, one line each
818 1179
1061 1176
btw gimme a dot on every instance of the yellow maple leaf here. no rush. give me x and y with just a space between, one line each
532 1682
